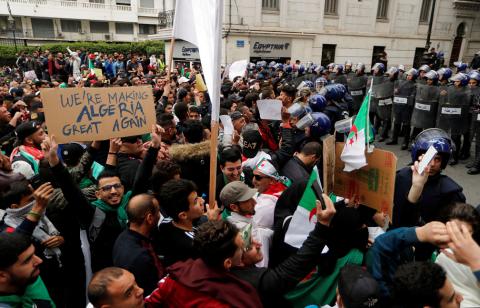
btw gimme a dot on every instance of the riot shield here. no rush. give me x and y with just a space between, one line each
403 100
453 110
425 107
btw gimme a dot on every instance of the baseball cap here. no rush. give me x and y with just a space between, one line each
131 139
183 80
236 191
72 152
252 141
26 129
358 288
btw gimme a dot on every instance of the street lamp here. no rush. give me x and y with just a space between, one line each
12 26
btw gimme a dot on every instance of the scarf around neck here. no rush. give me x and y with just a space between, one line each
121 209
33 155
42 232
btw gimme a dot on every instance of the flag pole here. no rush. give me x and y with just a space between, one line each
369 147
170 61
213 164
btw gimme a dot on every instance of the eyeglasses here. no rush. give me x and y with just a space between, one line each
259 177
117 186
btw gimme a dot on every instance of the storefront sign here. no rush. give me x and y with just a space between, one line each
185 50
270 47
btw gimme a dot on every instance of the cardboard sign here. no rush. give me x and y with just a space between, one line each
199 83
87 114
328 163
373 184
98 72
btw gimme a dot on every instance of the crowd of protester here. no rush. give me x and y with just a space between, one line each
124 222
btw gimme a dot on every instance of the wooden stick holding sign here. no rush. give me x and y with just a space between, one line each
213 164
170 61
87 114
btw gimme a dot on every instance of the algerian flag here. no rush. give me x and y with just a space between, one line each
304 218
353 154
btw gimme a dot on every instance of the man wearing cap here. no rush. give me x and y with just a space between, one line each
356 288
270 186
239 199
26 156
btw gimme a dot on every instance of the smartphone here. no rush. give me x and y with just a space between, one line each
36 181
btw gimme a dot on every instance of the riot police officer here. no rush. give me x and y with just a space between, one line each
422 70
426 103
474 85
453 114
357 84
339 75
378 82
403 100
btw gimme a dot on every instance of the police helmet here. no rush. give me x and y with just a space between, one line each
463 78
424 68
321 125
437 138
317 102
379 67
444 73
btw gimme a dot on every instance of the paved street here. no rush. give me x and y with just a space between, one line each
470 183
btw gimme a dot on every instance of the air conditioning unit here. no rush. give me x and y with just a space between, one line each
108 37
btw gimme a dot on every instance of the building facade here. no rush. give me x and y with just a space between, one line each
40 21
325 31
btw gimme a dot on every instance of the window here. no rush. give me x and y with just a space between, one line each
270 5
331 7
97 1
382 10
99 27
425 12
147 4
147 29
328 54
43 28
123 2
71 25
123 28
6 28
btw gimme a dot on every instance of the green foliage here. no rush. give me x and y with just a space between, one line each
8 55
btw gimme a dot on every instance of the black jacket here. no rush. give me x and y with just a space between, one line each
134 252
439 191
127 169
272 284
101 247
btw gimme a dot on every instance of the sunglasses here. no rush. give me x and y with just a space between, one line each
117 186
259 177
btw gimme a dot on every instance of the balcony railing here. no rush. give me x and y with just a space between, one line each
165 19
73 4
466 4
147 11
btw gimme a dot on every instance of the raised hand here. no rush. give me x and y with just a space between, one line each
115 144
435 233
464 248
156 136
42 196
49 148
324 216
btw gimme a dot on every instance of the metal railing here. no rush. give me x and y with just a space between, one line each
73 4
165 19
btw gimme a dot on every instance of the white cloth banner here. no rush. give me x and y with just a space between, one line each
237 68
200 23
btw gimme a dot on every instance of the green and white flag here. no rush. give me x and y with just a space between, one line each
304 218
361 133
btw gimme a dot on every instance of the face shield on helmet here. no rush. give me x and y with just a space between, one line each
424 68
392 72
401 67
360 68
474 78
444 73
437 138
306 84
338 69
431 75
461 78
378 68
412 72
330 67
320 82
